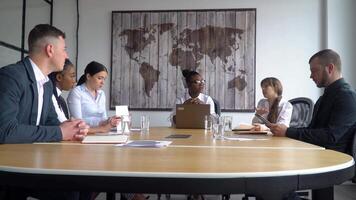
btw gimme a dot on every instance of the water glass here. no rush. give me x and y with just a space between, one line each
145 123
125 124
228 123
218 128
207 122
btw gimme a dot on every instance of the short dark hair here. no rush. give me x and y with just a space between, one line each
328 56
188 74
92 68
52 76
41 31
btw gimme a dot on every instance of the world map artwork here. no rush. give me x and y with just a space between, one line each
150 50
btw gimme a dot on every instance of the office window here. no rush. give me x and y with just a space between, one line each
24 15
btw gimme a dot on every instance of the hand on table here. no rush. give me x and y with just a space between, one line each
73 129
278 129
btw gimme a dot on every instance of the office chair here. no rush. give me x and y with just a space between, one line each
301 117
217 107
302 112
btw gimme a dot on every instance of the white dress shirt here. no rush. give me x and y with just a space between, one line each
83 105
41 79
206 99
61 116
285 110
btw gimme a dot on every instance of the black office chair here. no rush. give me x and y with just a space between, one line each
217 107
301 117
302 112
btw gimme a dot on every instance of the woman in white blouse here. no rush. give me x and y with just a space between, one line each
273 107
194 95
87 100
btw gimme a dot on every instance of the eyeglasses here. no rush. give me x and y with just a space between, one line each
199 81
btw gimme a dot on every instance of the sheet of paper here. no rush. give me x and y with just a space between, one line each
146 143
122 110
105 139
246 137
243 127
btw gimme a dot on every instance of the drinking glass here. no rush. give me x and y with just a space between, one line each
145 124
228 123
125 124
208 122
218 128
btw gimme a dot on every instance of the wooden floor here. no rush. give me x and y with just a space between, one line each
346 191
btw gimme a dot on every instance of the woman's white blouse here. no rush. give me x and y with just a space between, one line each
206 99
285 110
83 105
61 116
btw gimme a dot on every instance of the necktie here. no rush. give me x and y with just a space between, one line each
63 105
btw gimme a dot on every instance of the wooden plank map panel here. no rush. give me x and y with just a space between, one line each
151 48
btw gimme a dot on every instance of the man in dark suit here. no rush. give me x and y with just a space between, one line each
26 110
334 112
27 113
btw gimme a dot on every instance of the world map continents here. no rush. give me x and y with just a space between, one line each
188 50
150 49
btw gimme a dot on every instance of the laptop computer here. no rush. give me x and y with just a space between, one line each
191 115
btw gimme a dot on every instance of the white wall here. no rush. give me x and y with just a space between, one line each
341 35
288 33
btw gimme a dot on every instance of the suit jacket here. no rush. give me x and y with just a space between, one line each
18 107
333 116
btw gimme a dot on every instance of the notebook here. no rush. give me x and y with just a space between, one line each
191 115
105 139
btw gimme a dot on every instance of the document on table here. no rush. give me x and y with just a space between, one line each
105 139
246 137
146 143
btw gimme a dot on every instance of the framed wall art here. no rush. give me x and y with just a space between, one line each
151 48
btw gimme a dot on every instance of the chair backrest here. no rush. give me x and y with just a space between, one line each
302 112
217 107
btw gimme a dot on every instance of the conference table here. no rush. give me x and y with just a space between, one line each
265 166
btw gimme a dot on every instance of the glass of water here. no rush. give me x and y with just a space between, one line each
218 128
125 124
145 123
228 123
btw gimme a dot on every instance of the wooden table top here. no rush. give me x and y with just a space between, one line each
204 139
197 156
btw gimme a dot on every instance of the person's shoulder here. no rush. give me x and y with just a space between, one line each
14 74
346 89
14 69
206 97
76 90
285 103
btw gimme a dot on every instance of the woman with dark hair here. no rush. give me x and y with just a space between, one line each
273 107
87 100
194 95
62 81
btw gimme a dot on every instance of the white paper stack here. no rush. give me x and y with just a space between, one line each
146 143
105 139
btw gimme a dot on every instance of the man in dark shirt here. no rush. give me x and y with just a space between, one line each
334 112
